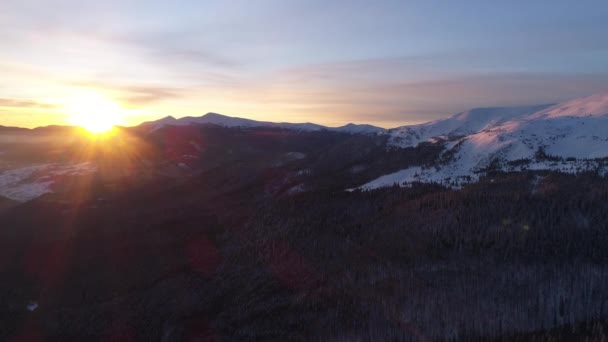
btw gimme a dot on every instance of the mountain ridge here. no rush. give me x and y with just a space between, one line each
569 137
595 104
230 121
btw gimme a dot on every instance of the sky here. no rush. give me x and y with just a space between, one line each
383 62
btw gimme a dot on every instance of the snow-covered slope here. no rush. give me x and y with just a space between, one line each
595 105
229 121
459 125
31 182
569 137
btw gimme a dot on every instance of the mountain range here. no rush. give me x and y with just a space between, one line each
228 121
220 228
568 137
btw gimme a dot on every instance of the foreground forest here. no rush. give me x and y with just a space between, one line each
257 239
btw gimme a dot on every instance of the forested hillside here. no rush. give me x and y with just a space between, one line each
249 234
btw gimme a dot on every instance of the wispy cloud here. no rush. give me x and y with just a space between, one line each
174 47
386 62
407 90
134 95
146 96
17 103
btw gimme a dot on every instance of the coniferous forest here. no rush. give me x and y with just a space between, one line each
259 240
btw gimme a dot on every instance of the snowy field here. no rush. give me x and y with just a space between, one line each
25 184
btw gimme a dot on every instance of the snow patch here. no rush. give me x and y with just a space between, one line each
295 155
303 172
32 306
296 189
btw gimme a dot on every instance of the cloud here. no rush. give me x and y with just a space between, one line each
406 90
135 95
142 96
393 61
17 103
174 47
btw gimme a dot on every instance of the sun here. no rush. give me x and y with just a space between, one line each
94 112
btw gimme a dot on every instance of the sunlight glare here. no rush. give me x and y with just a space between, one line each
94 112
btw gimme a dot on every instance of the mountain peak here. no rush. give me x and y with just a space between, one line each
215 115
168 118
359 128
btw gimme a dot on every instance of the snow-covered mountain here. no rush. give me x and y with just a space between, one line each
459 125
568 137
229 121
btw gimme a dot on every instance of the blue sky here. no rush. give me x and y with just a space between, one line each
382 62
